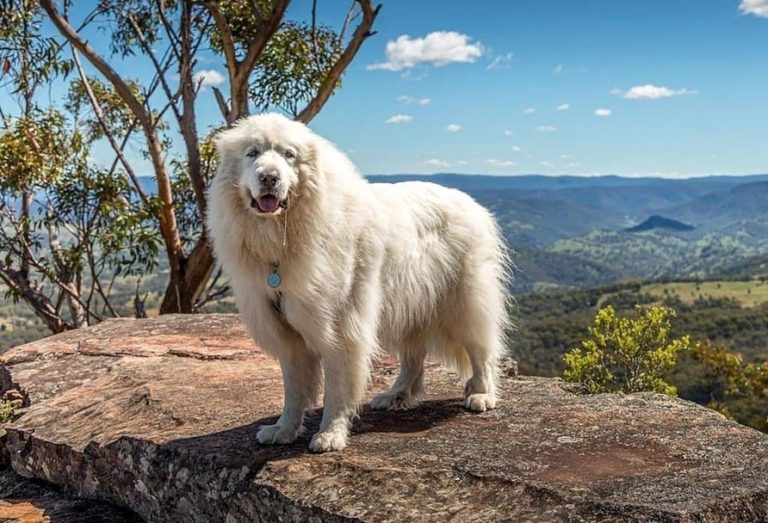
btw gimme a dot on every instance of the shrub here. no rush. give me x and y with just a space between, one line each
627 354
6 411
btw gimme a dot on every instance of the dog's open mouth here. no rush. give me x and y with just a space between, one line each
268 203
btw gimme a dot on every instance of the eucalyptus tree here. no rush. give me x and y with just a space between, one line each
67 228
271 62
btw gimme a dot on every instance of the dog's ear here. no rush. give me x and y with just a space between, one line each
227 141
309 152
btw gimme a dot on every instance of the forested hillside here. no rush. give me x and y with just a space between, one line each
732 314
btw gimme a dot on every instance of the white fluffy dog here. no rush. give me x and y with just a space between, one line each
327 269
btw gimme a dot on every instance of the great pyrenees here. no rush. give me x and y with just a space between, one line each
328 269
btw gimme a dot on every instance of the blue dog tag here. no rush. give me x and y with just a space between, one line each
273 280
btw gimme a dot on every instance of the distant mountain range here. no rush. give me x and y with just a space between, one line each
660 222
575 231
570 231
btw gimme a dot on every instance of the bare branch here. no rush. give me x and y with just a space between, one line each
173 38
362 32
172 98
351 15
212 292
264 34
314 28
34 262
41 305
227 40
96 280
139 303
188 120
223 106
97 110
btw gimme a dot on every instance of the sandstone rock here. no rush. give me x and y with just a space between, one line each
28 501
160 416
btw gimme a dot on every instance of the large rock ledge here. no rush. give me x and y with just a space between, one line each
159 416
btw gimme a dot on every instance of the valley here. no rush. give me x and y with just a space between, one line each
577 246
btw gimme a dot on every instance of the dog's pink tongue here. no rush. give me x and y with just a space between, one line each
268 203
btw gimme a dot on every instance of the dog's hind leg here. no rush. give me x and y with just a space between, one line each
480 389
409 385
479 330
481 337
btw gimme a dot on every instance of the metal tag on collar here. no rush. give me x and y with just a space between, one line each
273 279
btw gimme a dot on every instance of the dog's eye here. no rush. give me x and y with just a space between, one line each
289 154
253 153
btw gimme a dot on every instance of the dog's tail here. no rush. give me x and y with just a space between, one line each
455 357
483 317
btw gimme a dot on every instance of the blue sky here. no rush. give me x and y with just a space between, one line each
710 56
671 88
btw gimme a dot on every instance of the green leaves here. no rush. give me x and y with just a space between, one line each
35 148
293 66
294 63
750 379
81 223
28 58
116 113
627 354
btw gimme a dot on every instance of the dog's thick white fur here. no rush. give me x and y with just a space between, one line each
411 268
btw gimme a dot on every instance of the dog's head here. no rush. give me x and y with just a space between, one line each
269 158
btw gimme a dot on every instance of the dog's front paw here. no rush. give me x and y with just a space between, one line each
276 434
389 400
480 402
328 441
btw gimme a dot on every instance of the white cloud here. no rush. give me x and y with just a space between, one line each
529 110
412 76
517 148
559 69
209 77
565 156
573 164
436 49
453 128
434 162
548 165
500 163
400 118
754 7
462 162
563 107
546 129
651 92
508 132
408 100
603 112
502 61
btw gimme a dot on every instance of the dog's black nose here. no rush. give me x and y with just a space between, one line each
268 179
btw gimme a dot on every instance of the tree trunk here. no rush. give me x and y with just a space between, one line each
187 285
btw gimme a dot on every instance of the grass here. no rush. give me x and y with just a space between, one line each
749 293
